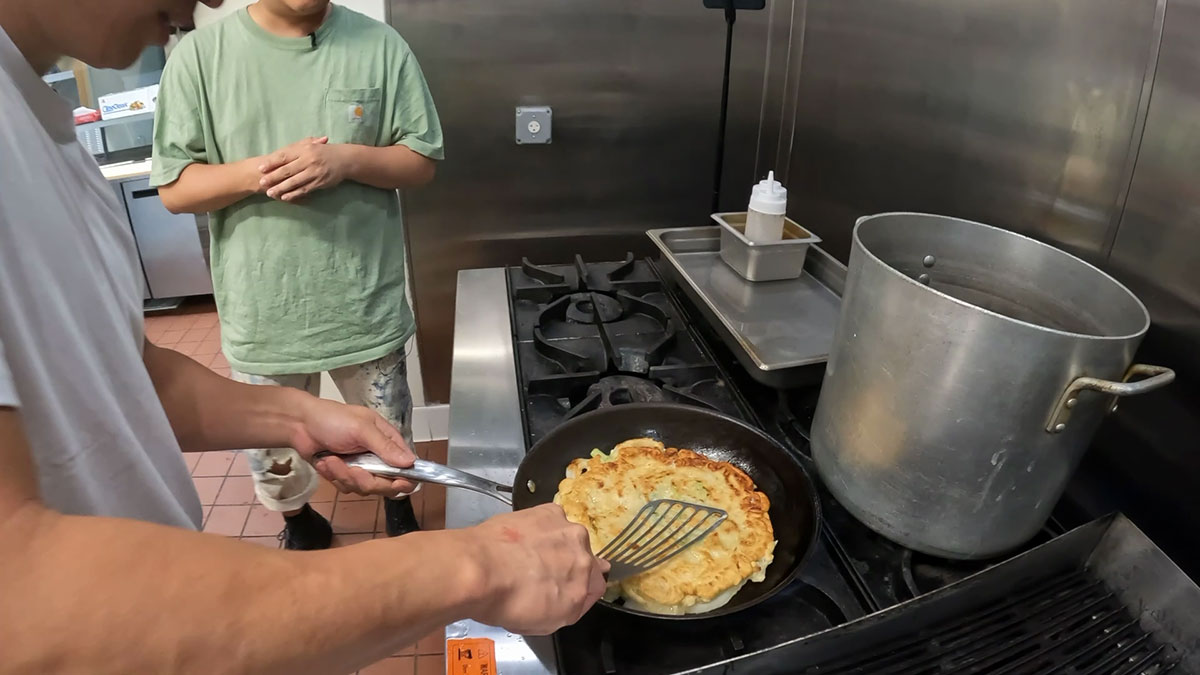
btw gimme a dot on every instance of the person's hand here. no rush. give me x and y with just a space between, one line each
265 164
302 168
346 429
539 571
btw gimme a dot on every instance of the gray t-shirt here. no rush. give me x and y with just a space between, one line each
71 320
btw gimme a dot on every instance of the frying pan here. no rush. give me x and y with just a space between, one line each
794 512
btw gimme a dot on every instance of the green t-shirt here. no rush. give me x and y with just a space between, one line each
317 285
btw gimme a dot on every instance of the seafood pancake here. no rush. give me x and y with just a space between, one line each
604 492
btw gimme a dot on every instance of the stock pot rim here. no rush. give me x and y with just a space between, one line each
856 242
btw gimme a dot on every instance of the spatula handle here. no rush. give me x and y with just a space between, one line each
424 471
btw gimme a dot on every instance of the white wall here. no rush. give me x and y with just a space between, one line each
376 9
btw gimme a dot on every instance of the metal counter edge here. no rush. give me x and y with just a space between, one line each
487 439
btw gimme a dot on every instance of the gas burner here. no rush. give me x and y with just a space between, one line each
607 333
593 308
595 334
923 573
620 389
616 390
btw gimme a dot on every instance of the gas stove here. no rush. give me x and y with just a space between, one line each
592 335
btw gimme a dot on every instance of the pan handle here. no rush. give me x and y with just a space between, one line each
424 471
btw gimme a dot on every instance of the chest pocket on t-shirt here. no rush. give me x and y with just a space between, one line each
353 115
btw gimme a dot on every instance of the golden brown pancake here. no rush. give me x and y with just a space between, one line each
604 492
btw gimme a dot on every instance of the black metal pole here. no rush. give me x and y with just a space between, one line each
730 17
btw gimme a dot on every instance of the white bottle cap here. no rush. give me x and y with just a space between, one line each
769 196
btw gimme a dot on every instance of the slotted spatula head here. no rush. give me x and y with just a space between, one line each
661 530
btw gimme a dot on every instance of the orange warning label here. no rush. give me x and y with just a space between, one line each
471 656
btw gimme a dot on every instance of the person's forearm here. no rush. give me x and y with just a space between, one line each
207 187
210 412
391 167
205 604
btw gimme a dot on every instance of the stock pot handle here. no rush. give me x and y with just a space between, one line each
1154 378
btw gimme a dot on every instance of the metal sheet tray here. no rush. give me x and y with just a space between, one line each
780 331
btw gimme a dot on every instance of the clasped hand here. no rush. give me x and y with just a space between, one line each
299 169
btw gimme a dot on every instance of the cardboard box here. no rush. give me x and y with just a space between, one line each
126 103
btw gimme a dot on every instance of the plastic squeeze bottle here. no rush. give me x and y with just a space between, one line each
764 217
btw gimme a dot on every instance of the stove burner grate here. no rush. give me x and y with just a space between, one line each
625 351
621 389
591 335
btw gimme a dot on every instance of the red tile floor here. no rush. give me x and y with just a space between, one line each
227 492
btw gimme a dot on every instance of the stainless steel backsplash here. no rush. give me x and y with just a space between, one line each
1043 117
635 87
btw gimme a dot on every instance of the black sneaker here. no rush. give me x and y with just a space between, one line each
306 531
399 517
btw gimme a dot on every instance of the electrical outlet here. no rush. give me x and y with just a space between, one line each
534 125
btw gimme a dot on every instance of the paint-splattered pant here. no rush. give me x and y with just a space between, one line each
283 481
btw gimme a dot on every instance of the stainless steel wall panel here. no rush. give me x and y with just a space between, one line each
1157 248
1145 461
1018 113
635 88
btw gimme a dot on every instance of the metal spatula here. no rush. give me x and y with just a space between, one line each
424 471
661 530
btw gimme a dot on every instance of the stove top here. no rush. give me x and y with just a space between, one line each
591 335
